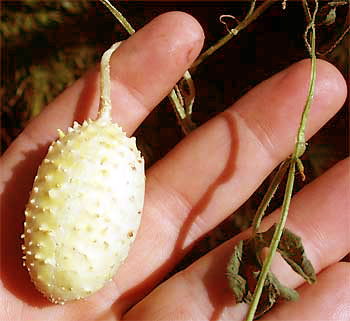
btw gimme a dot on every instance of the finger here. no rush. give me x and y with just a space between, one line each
218 167
143 69
328 299
318 214
214 170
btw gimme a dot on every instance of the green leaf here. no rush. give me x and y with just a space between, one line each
245 265
273 291
330 18
240 269
291 249
284 292
237 283
269 295
243 271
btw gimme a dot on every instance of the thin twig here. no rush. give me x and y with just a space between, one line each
335 44
251 16
269 195
252 7
307 11
119 16
191 92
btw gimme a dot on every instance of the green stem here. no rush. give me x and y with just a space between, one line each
210 51
301 144
274 243
177 104
187 79
250 17
269 195
300 147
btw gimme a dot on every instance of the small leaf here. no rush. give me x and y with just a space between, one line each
237 282
273 291
269 296
291 249
243 272
327 15
284 292
240 269
331 16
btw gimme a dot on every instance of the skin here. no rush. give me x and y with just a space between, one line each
178 210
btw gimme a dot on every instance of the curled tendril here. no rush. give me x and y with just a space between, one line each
223 16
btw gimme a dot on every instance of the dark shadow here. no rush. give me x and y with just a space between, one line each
224 176
135 294
13 201
87 96
216 284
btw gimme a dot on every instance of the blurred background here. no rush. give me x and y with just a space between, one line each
47 45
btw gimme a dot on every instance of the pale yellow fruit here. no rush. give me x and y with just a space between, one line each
84 210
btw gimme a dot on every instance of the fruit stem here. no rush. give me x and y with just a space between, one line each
183 114
105 112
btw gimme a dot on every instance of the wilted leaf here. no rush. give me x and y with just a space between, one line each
269 296
245 266
243 271
240 269
284 292
330 18
273 291
291 249
237 283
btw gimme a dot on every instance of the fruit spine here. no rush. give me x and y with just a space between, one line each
85 206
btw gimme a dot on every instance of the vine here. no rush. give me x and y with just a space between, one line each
246 265
239 271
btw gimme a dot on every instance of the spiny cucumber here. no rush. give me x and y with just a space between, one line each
85 206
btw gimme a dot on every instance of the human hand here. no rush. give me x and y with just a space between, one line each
198 184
